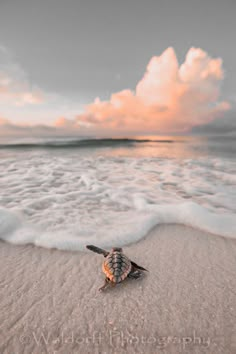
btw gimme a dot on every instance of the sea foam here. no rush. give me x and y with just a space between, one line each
67 200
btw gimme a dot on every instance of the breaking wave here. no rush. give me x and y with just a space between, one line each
67 200
79 143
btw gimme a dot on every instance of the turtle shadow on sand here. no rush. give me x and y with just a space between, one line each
117 266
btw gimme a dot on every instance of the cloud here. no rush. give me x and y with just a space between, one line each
169 98
18 93
15 88
9 129
219 126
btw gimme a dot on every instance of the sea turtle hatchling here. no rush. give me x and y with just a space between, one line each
117 266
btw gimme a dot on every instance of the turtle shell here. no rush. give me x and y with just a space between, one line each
116 266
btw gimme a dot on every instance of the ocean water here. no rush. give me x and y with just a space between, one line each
66 193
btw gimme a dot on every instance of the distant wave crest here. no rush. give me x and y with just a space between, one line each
78 143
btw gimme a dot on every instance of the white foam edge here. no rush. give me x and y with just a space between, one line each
15 230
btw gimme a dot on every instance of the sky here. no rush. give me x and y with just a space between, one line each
117 67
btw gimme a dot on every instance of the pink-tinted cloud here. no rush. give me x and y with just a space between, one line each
17 93
169 98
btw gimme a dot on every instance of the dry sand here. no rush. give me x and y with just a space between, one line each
186 304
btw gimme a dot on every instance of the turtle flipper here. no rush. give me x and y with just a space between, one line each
105 285
135 274
138 266
97 250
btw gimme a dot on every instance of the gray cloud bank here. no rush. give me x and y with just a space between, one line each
221 126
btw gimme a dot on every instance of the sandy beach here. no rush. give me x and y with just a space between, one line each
186 303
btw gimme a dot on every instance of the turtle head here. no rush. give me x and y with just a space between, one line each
117 249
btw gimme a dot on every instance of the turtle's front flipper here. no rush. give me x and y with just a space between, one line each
97 250
138 266
105 285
